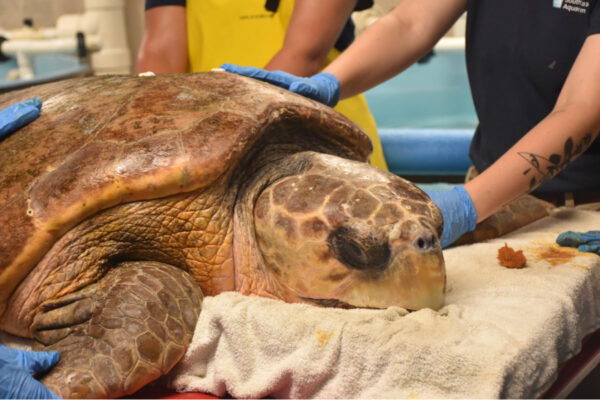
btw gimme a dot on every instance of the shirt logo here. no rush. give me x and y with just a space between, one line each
577 6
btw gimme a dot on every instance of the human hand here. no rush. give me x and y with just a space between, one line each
457 210
584 241
18 115
16 370
322 87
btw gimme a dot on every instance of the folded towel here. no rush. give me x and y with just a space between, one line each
502 333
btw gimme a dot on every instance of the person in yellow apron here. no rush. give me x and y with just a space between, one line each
298 37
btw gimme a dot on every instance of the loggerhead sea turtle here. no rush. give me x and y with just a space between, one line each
130 198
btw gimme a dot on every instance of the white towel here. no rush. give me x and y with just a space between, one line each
502 333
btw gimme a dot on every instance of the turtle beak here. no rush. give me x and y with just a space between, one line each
389 268
413 275
414 280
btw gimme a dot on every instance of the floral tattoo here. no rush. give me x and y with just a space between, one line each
542 168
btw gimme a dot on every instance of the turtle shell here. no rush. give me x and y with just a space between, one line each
103 141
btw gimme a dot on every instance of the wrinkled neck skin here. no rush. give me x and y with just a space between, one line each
251 274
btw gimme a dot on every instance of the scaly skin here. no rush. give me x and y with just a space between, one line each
121 324
189 231
121 333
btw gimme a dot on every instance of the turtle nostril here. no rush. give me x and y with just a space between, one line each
425 242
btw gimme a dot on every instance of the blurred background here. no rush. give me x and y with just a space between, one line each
45 13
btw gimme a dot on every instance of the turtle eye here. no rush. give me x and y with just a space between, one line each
425 242
362 252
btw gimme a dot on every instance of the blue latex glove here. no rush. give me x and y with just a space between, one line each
322 87
457 210
18 115
584 241
16 370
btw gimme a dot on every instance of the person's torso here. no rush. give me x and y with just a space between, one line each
519 53
248 33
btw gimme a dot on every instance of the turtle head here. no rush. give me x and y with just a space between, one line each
344 233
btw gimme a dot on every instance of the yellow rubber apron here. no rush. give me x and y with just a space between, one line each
245 33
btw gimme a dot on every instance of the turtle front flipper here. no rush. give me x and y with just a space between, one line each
121 333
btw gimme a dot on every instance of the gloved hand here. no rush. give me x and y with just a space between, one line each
584 241
16 369
18 115
322 87
457 210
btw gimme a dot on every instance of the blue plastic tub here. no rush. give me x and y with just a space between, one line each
47 68
426 117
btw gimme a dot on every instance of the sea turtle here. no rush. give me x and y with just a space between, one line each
132 197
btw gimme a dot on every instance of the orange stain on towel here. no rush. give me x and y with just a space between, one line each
557 255
323 337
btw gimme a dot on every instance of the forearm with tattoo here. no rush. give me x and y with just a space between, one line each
542 169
